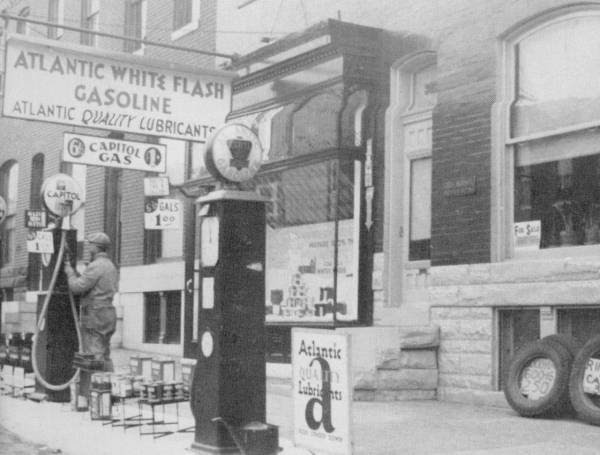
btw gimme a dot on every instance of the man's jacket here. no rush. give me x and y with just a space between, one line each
97 286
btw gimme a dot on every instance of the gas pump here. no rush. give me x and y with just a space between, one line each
57 333
228 395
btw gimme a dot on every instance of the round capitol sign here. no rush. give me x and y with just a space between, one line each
62 193
2 209
233 153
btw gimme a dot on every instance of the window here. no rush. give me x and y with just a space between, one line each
9 181
135 24
417 122
555 99
162 317
518 328
420 209
22 27
56 15
90 12
186 17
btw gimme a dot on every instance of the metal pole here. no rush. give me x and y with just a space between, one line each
111 35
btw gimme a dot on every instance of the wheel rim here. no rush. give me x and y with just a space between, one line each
537 378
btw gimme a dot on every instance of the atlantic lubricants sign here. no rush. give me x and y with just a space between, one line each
104 151
82 86
322 392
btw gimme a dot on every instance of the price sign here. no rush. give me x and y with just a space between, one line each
162 214
591 377
538 378
36 219
156 186
40 242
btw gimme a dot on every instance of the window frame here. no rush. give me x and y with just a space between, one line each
56 33
90 15
8 227
189 27
128 45
396 229
504 146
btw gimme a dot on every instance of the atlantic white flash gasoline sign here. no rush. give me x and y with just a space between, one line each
62 192
75 85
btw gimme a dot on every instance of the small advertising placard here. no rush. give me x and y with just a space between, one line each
162 213
36 219
527 235
108 152
156 186
40 242
322 390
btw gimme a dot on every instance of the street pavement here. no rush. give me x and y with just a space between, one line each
405 427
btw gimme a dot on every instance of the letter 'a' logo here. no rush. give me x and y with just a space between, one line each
324 401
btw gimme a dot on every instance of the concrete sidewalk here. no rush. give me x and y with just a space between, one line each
408 427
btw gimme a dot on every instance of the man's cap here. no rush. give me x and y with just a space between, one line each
99 238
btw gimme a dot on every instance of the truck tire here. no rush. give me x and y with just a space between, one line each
537 380
573 346
566 341
587 405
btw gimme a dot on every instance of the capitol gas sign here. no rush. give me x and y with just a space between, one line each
61 191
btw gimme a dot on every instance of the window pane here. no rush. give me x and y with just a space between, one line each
173 322
420 209
564 195
557 77
182 13
151 317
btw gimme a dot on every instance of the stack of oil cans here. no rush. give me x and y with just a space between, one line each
100 397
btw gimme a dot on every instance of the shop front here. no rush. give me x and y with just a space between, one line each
315 101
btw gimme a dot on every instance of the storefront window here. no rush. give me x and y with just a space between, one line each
557 176
312 206
557 83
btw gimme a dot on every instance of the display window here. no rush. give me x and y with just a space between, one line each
552 135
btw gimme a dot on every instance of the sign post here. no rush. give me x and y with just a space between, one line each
322 390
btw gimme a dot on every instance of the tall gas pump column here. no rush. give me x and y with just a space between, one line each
228 395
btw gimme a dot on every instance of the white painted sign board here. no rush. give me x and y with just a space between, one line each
82 86
40 242
322 390
117 153
527 235
163 213
156 186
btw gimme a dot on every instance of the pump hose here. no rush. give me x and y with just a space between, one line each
41 322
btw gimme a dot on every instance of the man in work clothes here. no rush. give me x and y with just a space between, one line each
97 286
